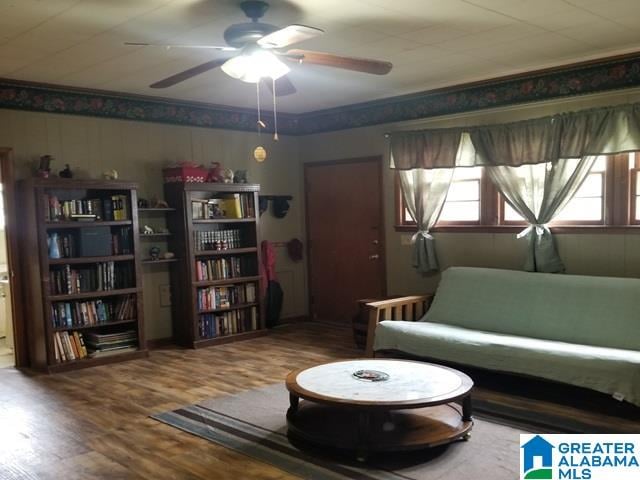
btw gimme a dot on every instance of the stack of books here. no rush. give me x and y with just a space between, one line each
93 312
235 205
112 208
93 278
221 268
229 323
69 346
217 240
214 298
100 344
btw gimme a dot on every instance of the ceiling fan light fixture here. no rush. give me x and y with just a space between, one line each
252 67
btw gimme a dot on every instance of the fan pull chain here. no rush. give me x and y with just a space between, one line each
275 115
261 124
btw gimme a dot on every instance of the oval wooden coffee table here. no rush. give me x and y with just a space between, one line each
379 405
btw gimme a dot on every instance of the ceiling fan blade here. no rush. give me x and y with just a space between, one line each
365 65
187 74
171 45
288 36
284 86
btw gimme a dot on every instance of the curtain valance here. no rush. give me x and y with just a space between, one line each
598 131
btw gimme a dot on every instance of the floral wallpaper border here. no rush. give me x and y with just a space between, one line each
611 74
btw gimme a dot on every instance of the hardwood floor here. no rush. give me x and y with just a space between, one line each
94 423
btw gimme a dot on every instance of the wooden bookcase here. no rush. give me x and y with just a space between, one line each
241 319
104 293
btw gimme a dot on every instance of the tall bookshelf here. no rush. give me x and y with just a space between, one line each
87 290
216 289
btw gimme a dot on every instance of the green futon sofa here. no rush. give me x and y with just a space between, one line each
579 330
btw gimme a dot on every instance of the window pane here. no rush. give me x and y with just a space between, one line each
592 186
460 212
582 209
407 216
600 165
470 173
510 215
467 190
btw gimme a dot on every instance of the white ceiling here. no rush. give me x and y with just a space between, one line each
432 43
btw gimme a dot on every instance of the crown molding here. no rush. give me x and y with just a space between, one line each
607 74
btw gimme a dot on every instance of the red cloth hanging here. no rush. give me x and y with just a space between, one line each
268 265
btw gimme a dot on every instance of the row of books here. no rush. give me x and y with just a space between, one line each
96 277
235 321
110 208
213 298
68 346
93 312
106 343
217 239
222 268
67 245
234 205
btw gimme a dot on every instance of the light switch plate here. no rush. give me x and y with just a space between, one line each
165 296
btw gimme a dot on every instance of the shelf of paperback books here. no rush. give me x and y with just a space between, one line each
88 277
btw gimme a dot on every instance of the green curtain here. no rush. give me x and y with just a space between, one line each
425 192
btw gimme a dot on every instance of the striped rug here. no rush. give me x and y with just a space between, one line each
253 423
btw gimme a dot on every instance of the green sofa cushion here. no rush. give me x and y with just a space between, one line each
586 310
606 370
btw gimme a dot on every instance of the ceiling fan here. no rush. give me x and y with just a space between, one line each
263 53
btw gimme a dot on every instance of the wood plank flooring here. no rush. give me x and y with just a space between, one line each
94 423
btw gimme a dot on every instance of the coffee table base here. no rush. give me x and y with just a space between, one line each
368 431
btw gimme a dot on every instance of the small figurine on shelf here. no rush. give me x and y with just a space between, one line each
110 175
240 176
156 203
45 166
168 255
142 203
66 173
216 173
227 175
147 230
154 253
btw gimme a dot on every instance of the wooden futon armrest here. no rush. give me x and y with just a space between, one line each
405 308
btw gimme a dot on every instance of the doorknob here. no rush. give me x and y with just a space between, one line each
375 256
376 242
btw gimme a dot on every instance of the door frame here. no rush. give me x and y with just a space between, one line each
378 159
7 177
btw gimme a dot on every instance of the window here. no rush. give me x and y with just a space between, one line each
610 196
586 207
463 199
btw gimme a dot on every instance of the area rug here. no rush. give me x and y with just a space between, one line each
253 423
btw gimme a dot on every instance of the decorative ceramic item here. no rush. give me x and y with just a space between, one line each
260 154
240 176
110 174
156 203
147 230
168 255
66 173
216 173
54 248
44 168
227 175
154 253
142 203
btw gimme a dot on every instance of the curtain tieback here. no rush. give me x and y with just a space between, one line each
539 227
423 234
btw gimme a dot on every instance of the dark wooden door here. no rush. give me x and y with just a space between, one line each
346 236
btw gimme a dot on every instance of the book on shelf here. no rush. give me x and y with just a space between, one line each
224 268
228 323
217 239
213 298
231 206
68 346
97 277
99 344
93 312
114 207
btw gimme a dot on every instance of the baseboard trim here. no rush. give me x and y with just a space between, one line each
294 319
157 343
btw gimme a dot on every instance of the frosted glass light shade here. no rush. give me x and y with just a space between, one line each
251 68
